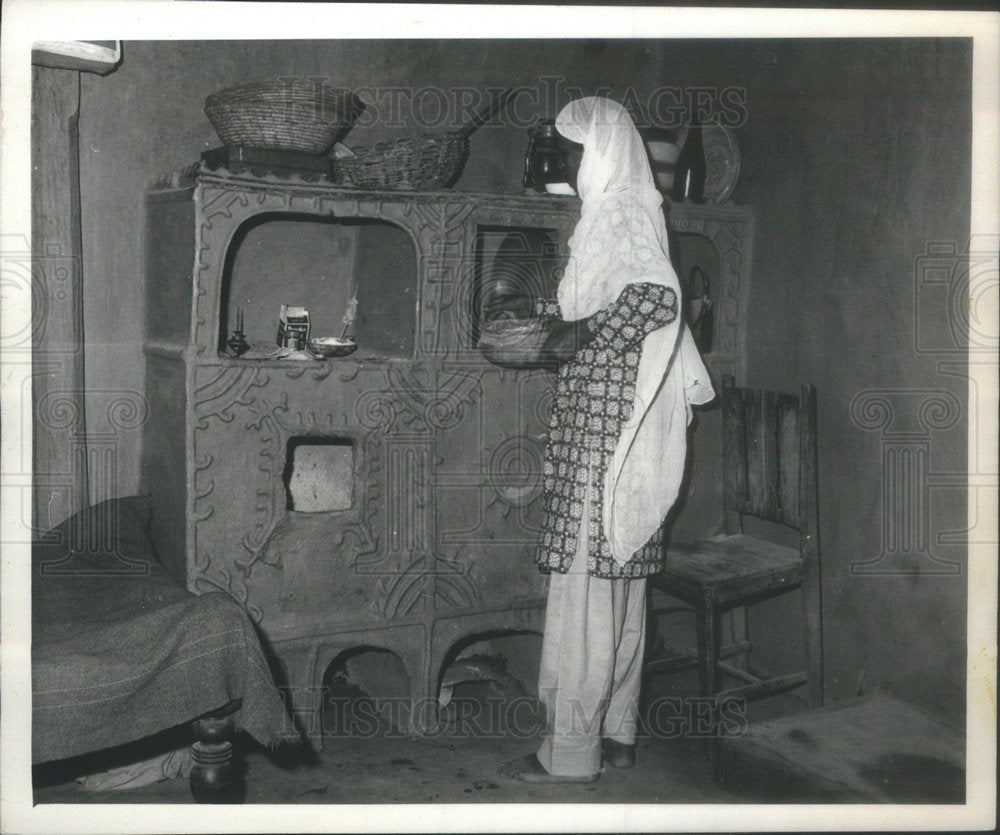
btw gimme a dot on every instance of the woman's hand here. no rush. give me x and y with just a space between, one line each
564 340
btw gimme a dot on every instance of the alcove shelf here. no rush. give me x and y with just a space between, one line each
430 543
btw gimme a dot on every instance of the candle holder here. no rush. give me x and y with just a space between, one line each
237 343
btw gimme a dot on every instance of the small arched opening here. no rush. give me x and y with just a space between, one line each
366 693
489 684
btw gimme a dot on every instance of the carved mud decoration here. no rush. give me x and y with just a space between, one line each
434 544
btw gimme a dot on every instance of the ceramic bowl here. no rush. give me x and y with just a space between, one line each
332 346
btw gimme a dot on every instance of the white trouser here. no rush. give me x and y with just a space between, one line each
591 668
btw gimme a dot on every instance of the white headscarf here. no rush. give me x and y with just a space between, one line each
621 239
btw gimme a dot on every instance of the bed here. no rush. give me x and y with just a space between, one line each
121 651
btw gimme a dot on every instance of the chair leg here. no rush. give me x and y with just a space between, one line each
813 630
708 635
708 675
740 634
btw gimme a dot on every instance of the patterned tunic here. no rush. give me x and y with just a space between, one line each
593 398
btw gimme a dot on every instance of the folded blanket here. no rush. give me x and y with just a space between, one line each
121 651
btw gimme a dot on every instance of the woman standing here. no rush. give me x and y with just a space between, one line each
616 449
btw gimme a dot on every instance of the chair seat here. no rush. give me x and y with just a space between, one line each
728 568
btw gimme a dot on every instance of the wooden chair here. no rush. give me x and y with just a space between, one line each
769 464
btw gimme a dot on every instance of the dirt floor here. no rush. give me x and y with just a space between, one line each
763 757
369 762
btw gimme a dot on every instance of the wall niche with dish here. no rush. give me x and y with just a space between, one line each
513 261
356 277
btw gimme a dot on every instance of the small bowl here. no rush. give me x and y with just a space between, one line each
332 346
513 343
564 189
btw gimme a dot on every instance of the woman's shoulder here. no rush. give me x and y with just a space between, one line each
625 210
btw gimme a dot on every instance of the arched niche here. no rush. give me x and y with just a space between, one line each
696 260
320 263
511 260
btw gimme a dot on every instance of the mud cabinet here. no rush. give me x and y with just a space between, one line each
388 499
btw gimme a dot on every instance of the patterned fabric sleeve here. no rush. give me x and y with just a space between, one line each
547 309
639 310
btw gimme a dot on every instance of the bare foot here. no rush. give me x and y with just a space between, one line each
528 769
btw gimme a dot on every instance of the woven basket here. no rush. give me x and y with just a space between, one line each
513 342
286 115
424 163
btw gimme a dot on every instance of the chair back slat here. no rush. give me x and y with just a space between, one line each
760 439
734 455
809 511
765 437
789 465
